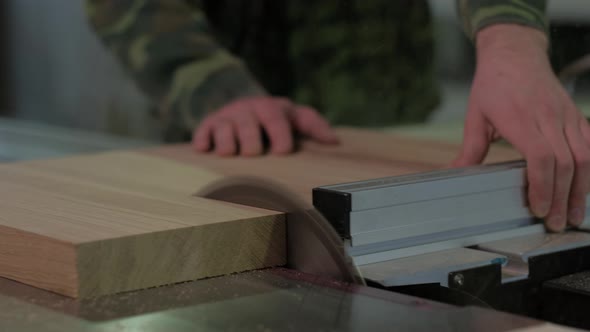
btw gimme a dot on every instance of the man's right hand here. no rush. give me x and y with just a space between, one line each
236 127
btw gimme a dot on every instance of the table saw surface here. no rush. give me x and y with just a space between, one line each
267 300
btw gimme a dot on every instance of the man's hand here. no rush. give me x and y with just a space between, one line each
237 127
516 96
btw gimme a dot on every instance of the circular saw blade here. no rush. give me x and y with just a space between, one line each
313 246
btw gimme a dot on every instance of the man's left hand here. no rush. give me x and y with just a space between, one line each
516 96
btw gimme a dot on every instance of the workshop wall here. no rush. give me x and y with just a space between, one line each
5 101
61 74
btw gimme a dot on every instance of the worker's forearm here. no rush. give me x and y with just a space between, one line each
509 38
478 14
201 87
168 47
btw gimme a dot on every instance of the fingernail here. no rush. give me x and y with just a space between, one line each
556 223
575 217
542 210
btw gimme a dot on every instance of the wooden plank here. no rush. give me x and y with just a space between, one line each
83 240
127 171
362 155
110 222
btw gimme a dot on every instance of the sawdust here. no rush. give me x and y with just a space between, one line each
579 282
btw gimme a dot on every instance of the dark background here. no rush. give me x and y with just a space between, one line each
5 95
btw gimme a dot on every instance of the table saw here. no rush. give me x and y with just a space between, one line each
416 252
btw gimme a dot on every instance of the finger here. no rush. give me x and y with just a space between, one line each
311 124
476 141
276 102
248 134
225 141
581 178
528 139
540 170
563 172
540 175
273 119
202 135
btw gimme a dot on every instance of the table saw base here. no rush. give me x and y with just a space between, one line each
272 299
557 288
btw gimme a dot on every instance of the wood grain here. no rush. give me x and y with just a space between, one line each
110 222
127 171
361 155
83 240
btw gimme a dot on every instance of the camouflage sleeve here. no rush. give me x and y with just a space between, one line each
477 14
168 47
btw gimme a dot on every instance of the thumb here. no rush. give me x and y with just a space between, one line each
476 141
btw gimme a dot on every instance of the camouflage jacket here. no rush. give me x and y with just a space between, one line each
359 62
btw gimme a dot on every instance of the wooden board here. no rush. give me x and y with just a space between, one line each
362 155
110 222
131 172
83 240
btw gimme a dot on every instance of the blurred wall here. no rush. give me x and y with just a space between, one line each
5 102
61 74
